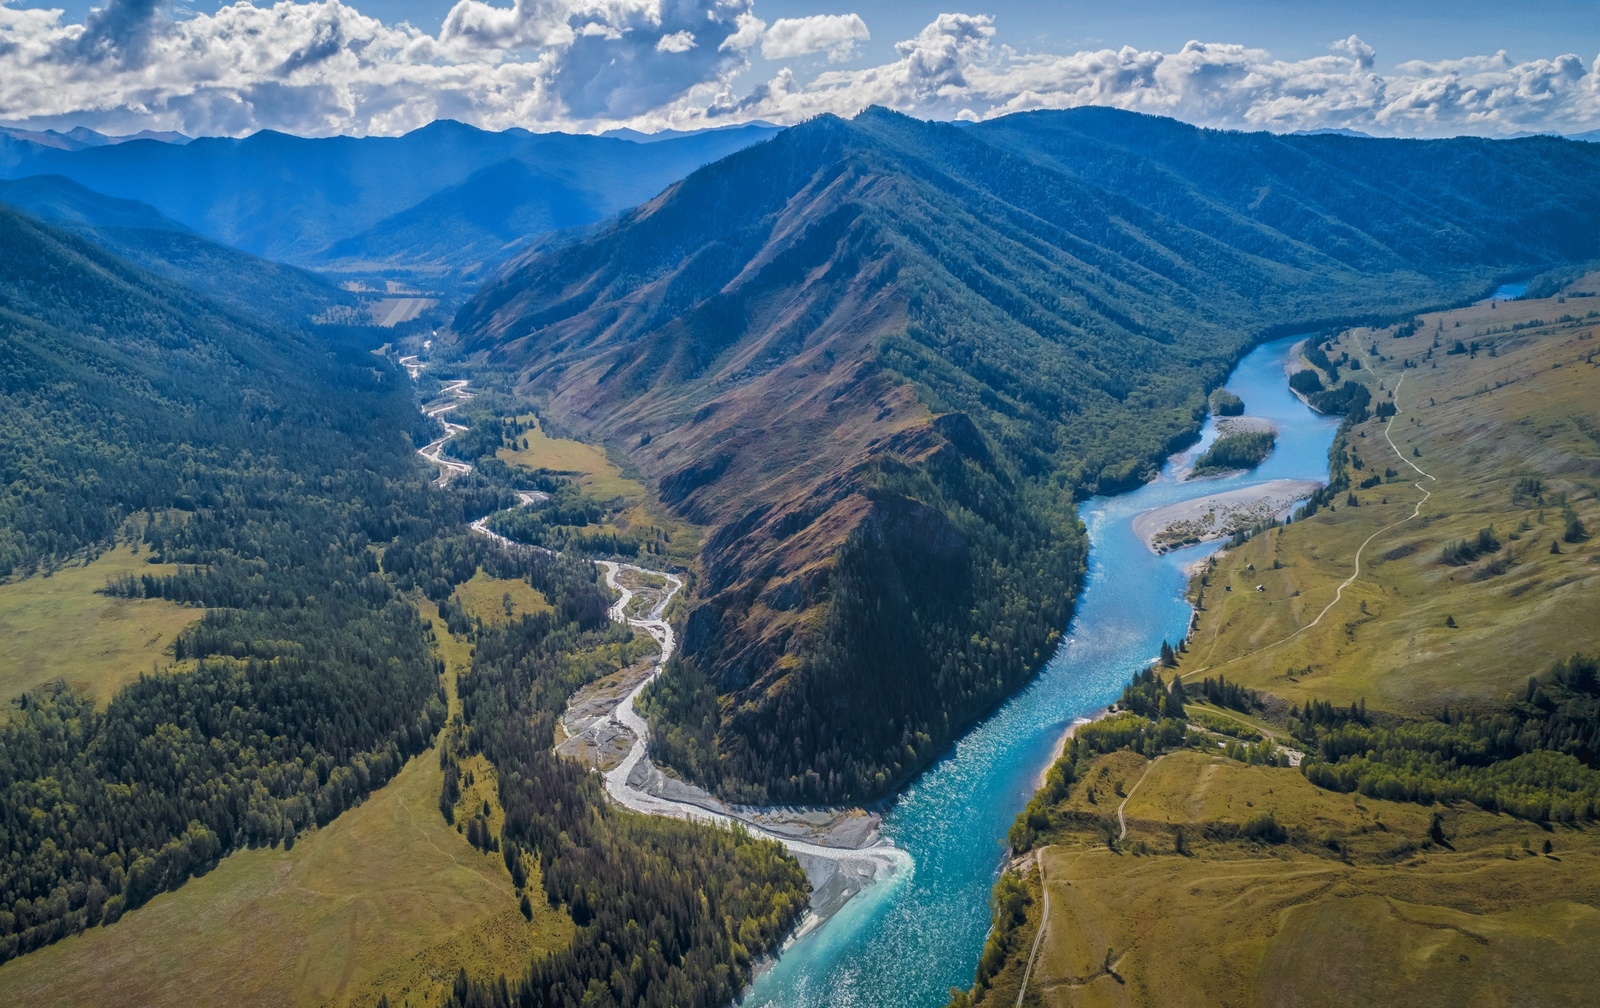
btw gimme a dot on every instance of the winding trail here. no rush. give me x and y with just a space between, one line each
881 859
1347 582
1121 819
1044 919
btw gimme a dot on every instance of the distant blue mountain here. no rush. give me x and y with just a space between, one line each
251 286
82 136
445 199
1331 131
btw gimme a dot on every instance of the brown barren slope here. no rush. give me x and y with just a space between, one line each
878 362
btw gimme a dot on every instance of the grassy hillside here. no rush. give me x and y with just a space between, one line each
1392 796
1356 902
880 360
386 901
1506 437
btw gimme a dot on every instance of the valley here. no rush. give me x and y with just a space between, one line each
270 752
881 361
478 569
839 848
1218 862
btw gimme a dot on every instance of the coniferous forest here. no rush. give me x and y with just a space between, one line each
849 389
275 471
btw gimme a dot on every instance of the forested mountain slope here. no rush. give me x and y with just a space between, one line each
250 286
444 198
251 454
267 473
881 359
124 392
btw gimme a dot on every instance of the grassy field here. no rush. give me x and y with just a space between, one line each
1357 906
598 474
1412 632
486 598
585 463
58 628
1343 899
385 901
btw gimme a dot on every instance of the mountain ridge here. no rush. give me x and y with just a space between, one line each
246 284
881 359
308 201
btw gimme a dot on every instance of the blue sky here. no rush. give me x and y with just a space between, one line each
1418 68
1399 30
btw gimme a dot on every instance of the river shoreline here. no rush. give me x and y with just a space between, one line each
1220 515
1067 733
906 945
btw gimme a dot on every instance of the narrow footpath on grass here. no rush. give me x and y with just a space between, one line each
1338 594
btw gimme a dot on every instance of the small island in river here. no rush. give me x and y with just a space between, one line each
1218 515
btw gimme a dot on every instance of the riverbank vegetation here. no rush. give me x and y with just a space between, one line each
667 913
1369 797
884 401
1225 403
1244 450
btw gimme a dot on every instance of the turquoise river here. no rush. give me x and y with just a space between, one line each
906 942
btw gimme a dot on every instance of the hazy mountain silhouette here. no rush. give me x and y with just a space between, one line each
137 232
446 197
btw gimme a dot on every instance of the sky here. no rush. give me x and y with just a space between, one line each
1400 68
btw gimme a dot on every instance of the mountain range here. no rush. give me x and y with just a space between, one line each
881 361
247 284
446 202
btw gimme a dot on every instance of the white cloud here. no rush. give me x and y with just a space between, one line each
835 34
953 69
323 67
748 34
677 42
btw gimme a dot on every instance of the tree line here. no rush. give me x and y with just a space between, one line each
668 913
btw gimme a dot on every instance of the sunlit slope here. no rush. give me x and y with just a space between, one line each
1501 441
881 358
1354 902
